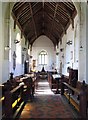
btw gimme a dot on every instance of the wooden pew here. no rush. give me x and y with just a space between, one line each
29 88
10 101
80 97
52 82
1 99
13 95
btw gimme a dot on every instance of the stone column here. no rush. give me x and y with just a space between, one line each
1 52
81 11
1 43
82 43
86 43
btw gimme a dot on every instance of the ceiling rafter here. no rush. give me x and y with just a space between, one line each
69 5
46 14
50 7
61 18
50 12
37 11
16 7
56 7
53 37
22 20
62 26
44 18
64 10
22 4
43 24
71 19
58 30
30 33
22 13
32 36
22 32
25 24
33 19
35 3
62 15
32 39
52 4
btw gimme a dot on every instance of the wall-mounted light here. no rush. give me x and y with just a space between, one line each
57 53
61 49
7 48
69 42
31 56
68 62
81 48
63 56
24 49
16 41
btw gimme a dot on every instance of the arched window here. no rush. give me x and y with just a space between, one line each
43 58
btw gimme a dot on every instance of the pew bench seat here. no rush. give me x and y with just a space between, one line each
78 96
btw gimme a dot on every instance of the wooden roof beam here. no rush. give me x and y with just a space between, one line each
17 6
62 7
56 7
29 34
53 38
68 13
63 28
69 5
25 19
25 24
48 15
49 6
32 39
33 19
22 13
43 24
16 22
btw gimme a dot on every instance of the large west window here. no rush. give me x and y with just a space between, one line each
43 58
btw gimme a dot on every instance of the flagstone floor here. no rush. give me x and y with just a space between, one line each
47 105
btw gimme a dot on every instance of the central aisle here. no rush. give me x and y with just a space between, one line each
46 104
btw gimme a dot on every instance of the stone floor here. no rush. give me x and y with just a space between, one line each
48 105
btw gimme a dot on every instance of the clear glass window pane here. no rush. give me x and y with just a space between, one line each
43 58
39 59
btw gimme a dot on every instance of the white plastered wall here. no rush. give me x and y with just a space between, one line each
7 37
18 50
4 21
1 42
82 14
44 43
78 35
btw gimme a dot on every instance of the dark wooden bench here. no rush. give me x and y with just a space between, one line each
10 101
14 95
52 82
78 96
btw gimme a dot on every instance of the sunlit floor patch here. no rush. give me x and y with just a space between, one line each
43 83
46 105
44 92
43 89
